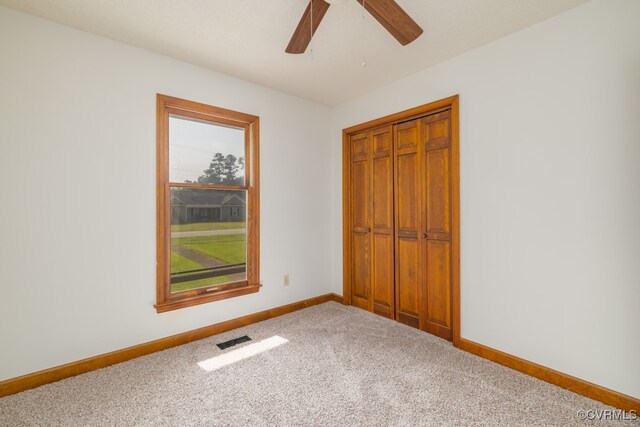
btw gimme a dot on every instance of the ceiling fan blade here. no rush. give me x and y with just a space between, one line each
394 19
302 35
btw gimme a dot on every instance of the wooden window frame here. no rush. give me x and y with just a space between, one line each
166 106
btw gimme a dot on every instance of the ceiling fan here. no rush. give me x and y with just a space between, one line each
387 12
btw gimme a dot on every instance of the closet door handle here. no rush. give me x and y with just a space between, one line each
364 230
424 235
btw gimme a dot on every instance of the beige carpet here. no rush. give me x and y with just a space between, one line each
328 365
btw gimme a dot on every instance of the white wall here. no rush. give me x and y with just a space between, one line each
550 188
77 217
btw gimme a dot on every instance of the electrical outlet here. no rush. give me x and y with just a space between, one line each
285 280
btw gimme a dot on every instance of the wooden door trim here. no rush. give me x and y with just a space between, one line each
346 221
402 116
455 221
451 103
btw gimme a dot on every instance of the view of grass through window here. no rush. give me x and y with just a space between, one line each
208 237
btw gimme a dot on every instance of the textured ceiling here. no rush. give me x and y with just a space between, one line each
247 38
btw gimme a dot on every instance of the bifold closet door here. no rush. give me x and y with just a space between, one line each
400 222
382 221
360 221
408 223
372 245
436 130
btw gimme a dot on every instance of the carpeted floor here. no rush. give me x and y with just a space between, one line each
328 365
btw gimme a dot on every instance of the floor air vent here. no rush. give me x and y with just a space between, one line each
233 342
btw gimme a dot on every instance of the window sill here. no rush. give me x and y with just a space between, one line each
202 299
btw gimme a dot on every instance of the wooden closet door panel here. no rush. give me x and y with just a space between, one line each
438 305
408 223
407 282
382 207
361 269
437 196
360 221
383 194
383 277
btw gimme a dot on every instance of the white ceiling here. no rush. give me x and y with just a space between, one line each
247 38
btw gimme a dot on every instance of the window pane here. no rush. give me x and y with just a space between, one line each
208 237
205 152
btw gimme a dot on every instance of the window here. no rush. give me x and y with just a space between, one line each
208 204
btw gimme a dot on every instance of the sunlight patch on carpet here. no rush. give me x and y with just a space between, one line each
242 353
